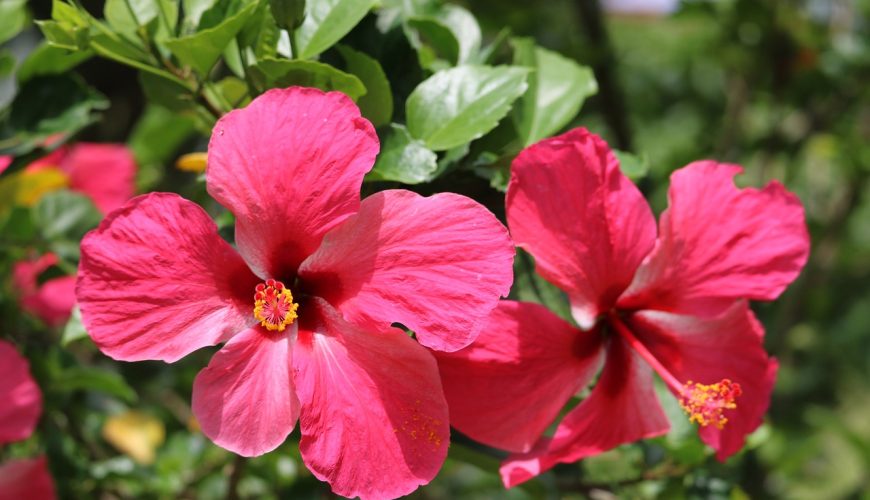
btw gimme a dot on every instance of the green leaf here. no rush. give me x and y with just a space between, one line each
634 167
465 29
458 105
50 60
377 103
68 27
64 36
63 12
260 34
126 16
193 11
74 329
7 63
49 105
166 92
285 72
431 32
16 224
557 89
326 22
14 18
155 139
529 286
202 49
65 215
82 378
134 18
403 159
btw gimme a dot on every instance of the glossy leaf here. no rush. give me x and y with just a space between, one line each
403 159
73 330
285 72
14 18
65 214
377 103
433 39
465 28
93 379
456 106
633 166
50 105
202 49
326 22
50 60
558 87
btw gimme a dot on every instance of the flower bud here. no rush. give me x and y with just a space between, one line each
288 13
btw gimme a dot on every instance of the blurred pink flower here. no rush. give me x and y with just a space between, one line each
5 161
675 304
19 413
105 173
51 301
305 306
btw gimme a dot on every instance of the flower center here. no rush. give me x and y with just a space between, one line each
705 404
273 305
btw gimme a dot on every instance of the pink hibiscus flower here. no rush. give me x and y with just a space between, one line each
305 307
675 305
51 301
105 173
19 413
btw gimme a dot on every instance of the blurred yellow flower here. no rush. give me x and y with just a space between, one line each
136 434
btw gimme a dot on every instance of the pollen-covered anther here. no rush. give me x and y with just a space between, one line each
273 305
706 404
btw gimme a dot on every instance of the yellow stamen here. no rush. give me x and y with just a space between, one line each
273 306
706 404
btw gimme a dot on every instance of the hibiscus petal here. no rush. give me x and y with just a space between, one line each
585 223
51 302
244 400
622 408
28 478
438 265
22 401
157 282
374 420
104 172
706 351
289 166
719 243
509 384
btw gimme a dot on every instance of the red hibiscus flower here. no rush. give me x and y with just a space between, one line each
305 306
674 304
19 413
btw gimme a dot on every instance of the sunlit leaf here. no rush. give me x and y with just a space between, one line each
456 106
558 87
326 22
65 214
285 72
403 159
202 49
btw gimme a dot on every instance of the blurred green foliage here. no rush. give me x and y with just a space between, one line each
778 87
